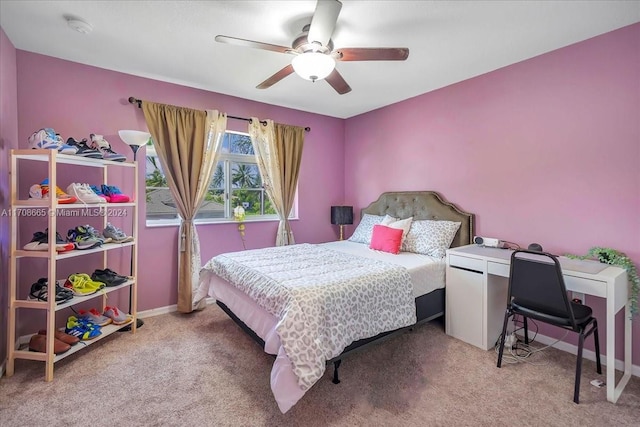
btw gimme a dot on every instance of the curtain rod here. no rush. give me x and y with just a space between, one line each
133 100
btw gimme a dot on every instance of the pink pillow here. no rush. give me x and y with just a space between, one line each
386 239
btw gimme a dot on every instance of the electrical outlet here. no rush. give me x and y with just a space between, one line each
577 297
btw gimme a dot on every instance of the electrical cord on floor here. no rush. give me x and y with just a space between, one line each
521 352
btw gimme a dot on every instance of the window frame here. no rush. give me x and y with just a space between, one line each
228 159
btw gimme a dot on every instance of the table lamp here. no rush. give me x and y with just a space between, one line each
134 139
341 216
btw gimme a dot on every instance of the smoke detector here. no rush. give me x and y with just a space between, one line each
79 25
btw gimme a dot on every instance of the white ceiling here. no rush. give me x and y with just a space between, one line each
173 41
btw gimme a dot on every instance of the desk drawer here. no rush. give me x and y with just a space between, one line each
466 263
498 269
586 286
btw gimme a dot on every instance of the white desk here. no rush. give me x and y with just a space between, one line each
476 298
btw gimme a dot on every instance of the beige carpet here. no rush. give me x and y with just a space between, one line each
202 369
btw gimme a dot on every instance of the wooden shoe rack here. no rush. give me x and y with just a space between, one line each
41 213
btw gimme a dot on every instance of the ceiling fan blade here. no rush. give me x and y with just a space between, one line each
372 54
250 43
337 82
324 21
276 77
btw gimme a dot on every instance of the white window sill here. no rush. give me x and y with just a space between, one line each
176 223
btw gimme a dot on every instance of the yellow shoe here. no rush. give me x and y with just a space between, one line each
82 285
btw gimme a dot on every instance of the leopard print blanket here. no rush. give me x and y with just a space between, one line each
324 299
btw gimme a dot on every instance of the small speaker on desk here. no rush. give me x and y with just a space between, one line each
535 247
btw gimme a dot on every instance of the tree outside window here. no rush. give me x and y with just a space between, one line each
236 181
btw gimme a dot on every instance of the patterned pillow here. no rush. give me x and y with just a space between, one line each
430 237
364 230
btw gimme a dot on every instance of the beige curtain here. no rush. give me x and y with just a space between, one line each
187 143
278 149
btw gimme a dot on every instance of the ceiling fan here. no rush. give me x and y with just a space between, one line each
313 50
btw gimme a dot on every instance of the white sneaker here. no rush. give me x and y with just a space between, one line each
48 138
84 194
88 188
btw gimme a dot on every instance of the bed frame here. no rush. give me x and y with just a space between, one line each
421 205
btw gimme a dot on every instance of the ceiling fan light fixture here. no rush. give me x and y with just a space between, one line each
313 65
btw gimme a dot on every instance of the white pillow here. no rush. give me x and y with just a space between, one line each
364 230
429 237
403 224
388 219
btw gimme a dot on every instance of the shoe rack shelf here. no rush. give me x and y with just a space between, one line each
52 207
19 253
34 355
75 300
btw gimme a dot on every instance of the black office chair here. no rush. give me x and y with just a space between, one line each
537 291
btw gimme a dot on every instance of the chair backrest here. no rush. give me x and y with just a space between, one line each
536 282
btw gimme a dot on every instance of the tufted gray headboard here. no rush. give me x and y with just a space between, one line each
423 205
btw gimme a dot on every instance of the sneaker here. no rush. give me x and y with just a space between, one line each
41 191
35 191
82 328
108 277
96 234
84 194
109 271
83 238
43 139
47 138
40 242
116 234
117 316
98 190
99 143
83 149
114 194
94 316
82 285
40 290
89 190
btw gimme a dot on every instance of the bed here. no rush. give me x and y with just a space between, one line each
330 299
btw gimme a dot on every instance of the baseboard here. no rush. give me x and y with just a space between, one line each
587 354
166 310
157 311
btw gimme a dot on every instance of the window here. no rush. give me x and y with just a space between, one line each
236 181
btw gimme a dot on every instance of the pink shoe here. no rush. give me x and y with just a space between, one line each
115 194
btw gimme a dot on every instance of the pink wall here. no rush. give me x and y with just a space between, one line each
546 150
77 100
8 140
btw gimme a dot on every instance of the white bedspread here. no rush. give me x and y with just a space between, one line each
324 299
426 274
